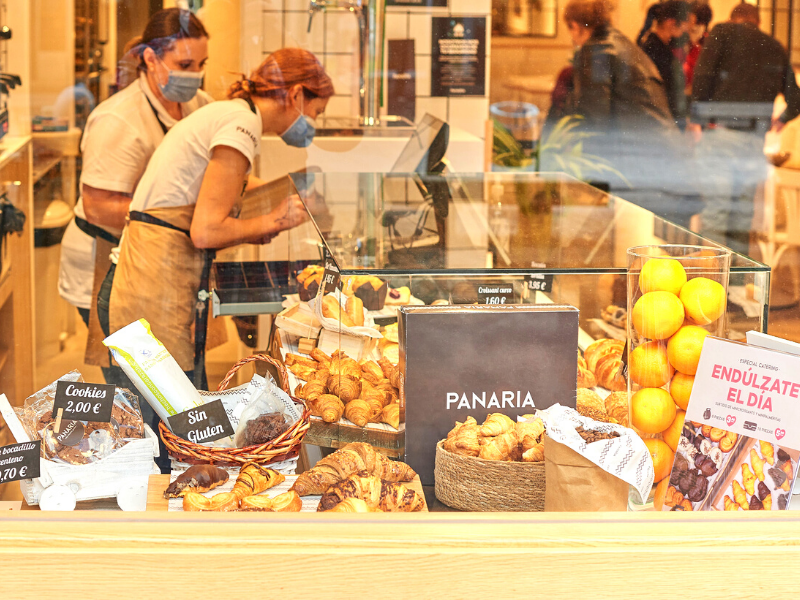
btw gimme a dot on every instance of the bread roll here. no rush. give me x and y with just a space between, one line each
333 310
355 310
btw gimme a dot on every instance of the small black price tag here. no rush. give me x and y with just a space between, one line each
20 461
202 424
495 293
84 401
330 278
539 282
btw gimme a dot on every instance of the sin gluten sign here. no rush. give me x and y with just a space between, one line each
205 423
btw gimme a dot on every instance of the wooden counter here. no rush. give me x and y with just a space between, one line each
649 555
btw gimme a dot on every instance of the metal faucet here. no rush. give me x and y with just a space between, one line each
370 17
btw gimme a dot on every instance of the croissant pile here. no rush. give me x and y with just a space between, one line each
760 481
601 364
386 496
252 480
499 438
357 458
363 392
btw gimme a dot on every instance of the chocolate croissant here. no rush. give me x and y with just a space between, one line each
387 495
254 479
349 460
198 478
353 505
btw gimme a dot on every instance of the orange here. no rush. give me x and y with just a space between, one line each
683 348
662 275
681 389
660 494
652 410
649 366
662 458
673 432
657 315
704 300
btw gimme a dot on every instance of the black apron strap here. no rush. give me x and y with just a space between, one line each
95 231
249 101
143 217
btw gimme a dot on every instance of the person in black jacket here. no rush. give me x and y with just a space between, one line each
738 75
671 22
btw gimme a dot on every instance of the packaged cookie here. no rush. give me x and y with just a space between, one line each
81 442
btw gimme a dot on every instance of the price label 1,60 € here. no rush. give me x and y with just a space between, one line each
19 461
84 401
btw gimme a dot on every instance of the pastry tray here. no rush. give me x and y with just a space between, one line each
252 288
733 472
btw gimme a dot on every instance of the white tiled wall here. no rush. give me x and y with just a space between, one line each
334 39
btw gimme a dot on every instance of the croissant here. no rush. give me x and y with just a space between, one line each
390 414
616 405
387 367
225 502
388 389
254 479
495 424
534 454
375 410
371 371
533 429
586 378
355 310
294 359
327 406
600 348
608 373
352 458
198 478
739 496
319 356
286 502
321 375
333 310
394 378
353 505
767 451
298 391
357 411
302 371
387 495
370 393
730 504
314 389
345 387
767 502
464 438
758 464
501 447
748 479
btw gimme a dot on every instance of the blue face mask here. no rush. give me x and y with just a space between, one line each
300 133
182 86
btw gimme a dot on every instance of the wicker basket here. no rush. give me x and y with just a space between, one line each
473 484
284 447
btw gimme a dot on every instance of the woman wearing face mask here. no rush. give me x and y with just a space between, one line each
184 201
121 135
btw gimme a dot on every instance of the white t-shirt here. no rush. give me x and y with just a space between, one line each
120 137
174 176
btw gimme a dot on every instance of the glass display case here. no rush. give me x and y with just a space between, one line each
505 238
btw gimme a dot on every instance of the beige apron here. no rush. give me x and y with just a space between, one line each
157 279
96 352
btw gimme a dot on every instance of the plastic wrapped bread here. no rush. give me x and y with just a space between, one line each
153 370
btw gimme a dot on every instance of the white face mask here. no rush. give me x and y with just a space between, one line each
181 86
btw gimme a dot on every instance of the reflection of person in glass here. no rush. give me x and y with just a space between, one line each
183 205
120 137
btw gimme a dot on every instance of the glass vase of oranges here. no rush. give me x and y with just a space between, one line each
677 295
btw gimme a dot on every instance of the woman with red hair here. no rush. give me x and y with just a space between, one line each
184 203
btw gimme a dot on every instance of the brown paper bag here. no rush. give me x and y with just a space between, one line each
575 484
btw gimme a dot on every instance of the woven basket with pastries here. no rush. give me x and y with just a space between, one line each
497 466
